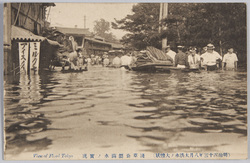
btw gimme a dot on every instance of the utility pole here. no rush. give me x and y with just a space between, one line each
163 15
84 21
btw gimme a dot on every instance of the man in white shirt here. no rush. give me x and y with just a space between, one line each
230 60
126 60
116 62
170 53
210 58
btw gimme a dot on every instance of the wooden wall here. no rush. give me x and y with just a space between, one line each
31 16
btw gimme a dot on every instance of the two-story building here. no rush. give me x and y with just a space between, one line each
91 43
24 22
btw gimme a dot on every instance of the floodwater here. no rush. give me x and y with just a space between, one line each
108 110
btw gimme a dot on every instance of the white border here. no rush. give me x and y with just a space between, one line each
114 1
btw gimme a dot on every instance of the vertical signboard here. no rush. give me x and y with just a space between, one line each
34 55
23 56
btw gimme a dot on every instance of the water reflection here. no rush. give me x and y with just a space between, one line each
115 110
190 102
23 94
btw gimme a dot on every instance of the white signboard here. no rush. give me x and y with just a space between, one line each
23 56
34 55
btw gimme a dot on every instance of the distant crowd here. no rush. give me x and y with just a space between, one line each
208 59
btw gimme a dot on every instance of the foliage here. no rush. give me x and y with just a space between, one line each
102 29
142 24
189 24
223 24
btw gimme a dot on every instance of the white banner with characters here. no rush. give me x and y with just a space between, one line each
23 56
34 55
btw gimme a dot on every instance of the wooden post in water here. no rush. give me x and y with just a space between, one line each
7 38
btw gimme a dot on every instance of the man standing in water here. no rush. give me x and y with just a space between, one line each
126 60
170 53
180 58
193 59
210 58
230 60
116 61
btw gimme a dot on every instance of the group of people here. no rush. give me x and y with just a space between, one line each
75 60
119 60
97 60
125 60
209 59
70 55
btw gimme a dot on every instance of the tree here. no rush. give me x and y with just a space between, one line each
223 24
142 26
189 24
102 29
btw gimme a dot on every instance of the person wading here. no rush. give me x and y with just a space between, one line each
210 58
180 58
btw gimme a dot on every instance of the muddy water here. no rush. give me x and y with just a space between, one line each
107 110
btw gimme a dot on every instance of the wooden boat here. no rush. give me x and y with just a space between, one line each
155 60
151 67
157 67
73 71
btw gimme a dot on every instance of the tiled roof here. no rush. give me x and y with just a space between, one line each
76 31
98 41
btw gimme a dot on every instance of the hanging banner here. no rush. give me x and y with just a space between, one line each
34 55
23 56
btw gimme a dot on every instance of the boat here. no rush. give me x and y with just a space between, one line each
151 67
155 60
152 60
74 71
156 67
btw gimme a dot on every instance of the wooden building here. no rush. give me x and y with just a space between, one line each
90 43
78 33
24 22
117 46
30 16
96 46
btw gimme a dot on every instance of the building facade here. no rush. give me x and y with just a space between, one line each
24 22
90 43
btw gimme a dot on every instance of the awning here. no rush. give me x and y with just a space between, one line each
18 33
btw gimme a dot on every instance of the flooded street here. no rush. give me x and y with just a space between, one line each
107 110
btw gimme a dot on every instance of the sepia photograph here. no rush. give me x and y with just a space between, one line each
124 81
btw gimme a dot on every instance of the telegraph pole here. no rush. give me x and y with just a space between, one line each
84 21
163 15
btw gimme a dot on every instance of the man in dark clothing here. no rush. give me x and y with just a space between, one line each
181 58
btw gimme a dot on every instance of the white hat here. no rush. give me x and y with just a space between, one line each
210 46
180 47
